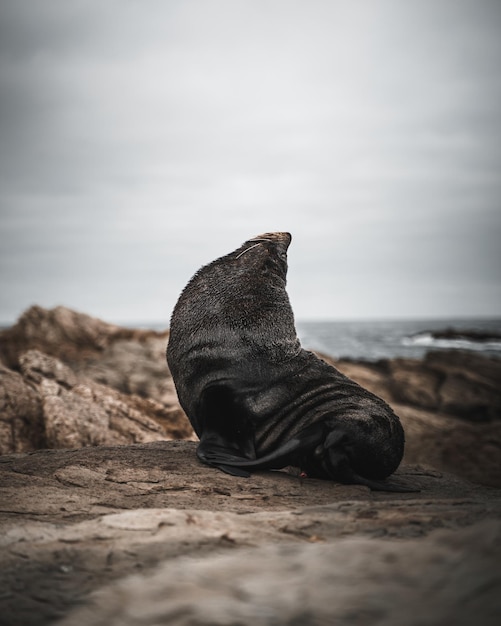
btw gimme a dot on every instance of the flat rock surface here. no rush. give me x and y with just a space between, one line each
73 521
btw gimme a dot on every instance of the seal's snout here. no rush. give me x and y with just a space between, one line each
272 242
281 237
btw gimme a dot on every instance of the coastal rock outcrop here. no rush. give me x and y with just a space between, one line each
71 380
459 383
21 415
449 402
95 494
47 405
131 361
69 335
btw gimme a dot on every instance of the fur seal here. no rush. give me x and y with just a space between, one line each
255 397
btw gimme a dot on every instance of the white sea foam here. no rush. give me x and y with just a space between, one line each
373 340
429 341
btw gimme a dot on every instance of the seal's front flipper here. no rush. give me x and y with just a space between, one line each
215 451
233 471
227 437
290 453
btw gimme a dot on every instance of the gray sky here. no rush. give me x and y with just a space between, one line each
141 139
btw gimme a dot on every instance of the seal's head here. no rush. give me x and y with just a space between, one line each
280 240
241 289
267 251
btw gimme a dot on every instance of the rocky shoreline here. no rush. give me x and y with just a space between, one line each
99 481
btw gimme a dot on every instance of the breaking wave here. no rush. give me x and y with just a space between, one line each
427 340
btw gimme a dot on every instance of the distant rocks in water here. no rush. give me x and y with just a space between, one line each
469 335
462 339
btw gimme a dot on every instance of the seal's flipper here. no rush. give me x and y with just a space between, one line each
227 437
213 450
332 460
239 465
233 471
289 453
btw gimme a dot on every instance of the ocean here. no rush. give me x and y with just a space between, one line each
374 340
371 340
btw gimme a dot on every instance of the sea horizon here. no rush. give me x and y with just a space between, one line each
373 339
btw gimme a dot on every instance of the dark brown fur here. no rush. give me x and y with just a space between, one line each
255 398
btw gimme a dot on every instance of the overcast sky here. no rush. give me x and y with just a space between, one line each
140 140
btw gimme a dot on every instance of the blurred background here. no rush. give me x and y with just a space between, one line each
141 140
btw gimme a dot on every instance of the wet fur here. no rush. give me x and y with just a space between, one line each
255 398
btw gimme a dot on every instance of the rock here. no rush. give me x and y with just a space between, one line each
133 367
457 383
50 406
84 363
471 387
236 550
412 383
205 547
61 332
437 432
469 450
447 579
129 360
21 416
462 334
449 402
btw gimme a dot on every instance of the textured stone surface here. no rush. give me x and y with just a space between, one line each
21 417
129 360
47 405
446 579
454 382
450 440
72 521
64 333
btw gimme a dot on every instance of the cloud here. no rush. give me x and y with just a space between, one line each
142 140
